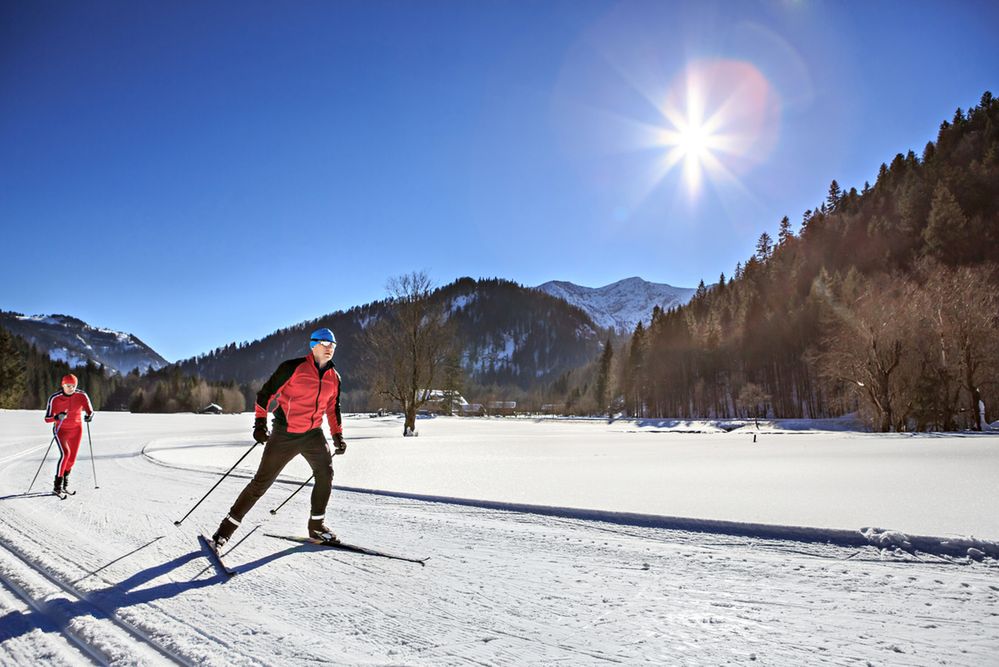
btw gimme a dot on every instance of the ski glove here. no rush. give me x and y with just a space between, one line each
61 415
260 429
89 418
339 444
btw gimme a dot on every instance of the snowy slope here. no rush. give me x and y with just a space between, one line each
105 574
621 305
74 341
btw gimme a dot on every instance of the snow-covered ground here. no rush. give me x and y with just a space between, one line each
105 576
920 484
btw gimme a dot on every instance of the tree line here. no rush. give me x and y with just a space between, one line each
29 376
883 303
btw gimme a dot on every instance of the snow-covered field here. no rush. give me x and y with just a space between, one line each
106 577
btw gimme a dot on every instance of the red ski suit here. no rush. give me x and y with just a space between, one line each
69 431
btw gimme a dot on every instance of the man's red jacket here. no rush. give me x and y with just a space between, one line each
304 392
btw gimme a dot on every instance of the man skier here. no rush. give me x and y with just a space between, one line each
64 409
305 389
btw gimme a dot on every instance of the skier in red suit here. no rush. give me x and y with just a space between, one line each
64 409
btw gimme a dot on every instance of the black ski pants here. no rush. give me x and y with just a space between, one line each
281 448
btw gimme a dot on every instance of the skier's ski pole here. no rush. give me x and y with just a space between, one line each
42 463
94 465
177 523
275 510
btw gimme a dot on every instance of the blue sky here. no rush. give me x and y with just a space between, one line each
201 173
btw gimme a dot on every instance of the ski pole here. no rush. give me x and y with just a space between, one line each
94 465
293 493
41 464
177 523
275 510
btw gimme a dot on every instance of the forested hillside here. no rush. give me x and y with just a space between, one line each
514 341
883 302
29 376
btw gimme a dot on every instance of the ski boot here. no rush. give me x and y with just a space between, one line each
225 531
65 485
319 531
57 487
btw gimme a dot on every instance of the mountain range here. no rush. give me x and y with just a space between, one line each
510 335
75 342
622 305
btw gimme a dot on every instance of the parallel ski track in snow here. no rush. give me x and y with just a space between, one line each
88 648
65 631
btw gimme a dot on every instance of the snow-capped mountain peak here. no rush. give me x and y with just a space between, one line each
622 304
68 339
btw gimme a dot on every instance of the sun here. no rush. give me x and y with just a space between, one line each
693 141
697 142
715 118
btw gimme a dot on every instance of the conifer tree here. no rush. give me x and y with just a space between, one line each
834 196
882 175
928 152
784 232
947 234
13 376
602 387
634 373
764 247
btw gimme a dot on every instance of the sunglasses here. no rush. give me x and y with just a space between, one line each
324 343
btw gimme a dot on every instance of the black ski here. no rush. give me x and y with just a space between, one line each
215 556
61 495
343 546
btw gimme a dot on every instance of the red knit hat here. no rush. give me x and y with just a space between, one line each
69 379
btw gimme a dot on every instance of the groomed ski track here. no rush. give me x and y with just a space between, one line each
92 636
502 587
927 544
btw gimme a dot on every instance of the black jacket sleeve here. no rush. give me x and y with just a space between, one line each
273 384
333 410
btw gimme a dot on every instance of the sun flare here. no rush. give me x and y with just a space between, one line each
692 142
718 116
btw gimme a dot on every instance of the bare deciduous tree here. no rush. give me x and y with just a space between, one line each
411 347
753 400
864 345
914 349
963 309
